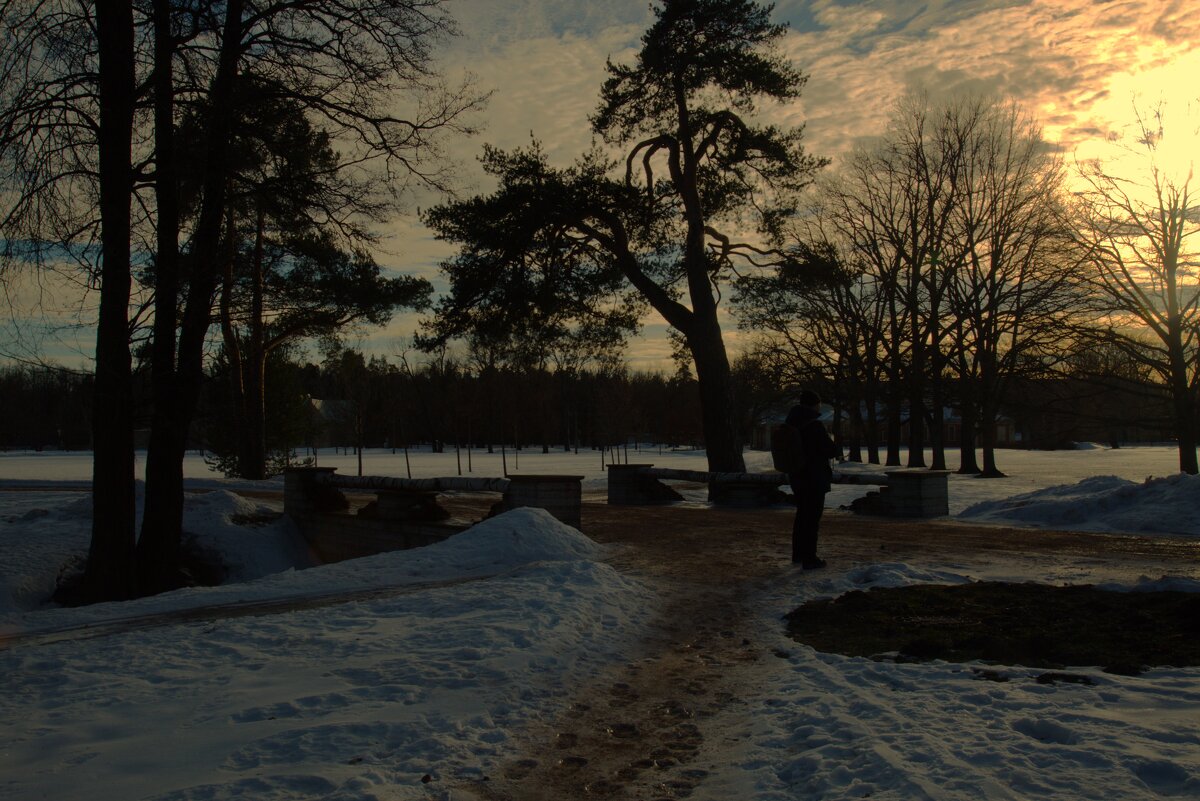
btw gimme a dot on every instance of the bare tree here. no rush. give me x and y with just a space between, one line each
948 254
110 557
67 119
1014 291
1136 233
362 70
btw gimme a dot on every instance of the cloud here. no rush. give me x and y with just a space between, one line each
498 24
1072 63
1062 59
48 313
544 61
1077 65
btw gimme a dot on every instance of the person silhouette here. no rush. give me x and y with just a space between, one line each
811 479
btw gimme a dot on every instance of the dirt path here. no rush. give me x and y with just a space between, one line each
638 731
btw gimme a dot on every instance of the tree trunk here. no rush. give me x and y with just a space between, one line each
869 399
894 421
987 435
916 373
162 524
1185 412
916 429
157 571
359 436
990 388
937 431
968 464
237 366
716 397
256 384
110 572
856 431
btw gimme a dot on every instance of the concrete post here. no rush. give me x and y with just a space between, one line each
561 496
299 485
918 493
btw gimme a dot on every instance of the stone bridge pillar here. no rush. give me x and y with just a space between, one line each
628 486
561 496
301 495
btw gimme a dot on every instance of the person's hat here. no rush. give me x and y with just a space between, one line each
810 398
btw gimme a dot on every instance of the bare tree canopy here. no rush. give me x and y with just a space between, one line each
948 275
1137 225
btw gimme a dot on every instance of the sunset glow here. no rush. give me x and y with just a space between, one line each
1132 102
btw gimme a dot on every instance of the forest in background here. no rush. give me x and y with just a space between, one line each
444 402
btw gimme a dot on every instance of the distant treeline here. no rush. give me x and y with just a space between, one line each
45 408
349 400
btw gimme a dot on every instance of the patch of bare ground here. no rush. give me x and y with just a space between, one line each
1036 625
639 731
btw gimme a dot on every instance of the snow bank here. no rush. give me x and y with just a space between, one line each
513 538
387 697
1146 584
1168 505
894 574
224 524
265 561
51 539
49 536
494 631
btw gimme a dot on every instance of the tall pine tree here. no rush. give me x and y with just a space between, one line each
665 224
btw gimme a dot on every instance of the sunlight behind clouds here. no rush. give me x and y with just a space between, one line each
1076 65
1172 85
1065 60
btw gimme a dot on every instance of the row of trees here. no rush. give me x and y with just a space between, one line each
446 403
936 265
45 408
948 261
933 259
440 401
185 151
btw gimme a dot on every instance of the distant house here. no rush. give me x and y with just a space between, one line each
760 434
331 423
1007 433
1053 413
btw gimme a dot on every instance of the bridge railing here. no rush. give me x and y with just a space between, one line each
642 484
903 493
316 490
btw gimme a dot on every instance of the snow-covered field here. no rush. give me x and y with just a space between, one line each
447 652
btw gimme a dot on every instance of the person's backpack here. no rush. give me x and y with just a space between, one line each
787 449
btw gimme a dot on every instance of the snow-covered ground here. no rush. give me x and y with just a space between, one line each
446 652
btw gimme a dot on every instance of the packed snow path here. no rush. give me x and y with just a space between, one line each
677 720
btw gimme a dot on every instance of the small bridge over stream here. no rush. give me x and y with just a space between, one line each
406 512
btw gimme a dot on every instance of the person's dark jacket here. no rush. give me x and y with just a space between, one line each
817 474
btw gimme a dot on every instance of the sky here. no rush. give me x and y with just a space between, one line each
1078 66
